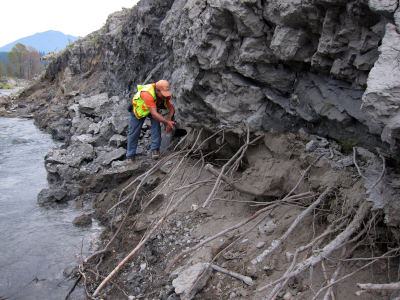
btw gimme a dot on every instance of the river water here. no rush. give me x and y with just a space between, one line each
36 244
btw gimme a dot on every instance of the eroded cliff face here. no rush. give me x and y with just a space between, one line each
319 67
276 65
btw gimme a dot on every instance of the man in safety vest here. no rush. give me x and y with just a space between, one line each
146 102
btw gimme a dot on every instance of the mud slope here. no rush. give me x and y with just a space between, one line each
273 167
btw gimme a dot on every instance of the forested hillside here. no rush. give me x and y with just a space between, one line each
44 41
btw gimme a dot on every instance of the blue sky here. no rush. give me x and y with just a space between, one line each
75 17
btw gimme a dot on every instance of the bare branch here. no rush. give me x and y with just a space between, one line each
387 286
382 174
328 249
247 280
304 174
180 255
355 163
276 243
211 195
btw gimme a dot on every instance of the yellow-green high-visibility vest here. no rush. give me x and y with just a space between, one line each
139 107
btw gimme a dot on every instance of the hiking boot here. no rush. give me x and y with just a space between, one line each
130 160
155 155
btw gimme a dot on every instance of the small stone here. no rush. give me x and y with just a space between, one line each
289 257
143 266
287 296
331 218
260 245
82 221
267 228
269 268
281 294
312 146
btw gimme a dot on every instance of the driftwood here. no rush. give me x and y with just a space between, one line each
143 180
374 260
211 195
247 280
335 274
143 241
335 244
180 255
276 243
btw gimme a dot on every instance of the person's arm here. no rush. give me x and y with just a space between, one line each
169 125
171 112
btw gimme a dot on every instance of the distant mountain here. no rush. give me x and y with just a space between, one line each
44 41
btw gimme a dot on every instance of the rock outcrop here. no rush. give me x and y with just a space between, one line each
328 68
275 65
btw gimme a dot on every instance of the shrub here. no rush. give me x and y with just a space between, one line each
347 145
94 40
5 86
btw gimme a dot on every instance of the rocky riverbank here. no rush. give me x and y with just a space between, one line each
309 80
8 97
269 170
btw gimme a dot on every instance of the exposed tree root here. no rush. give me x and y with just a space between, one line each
350 230
325 252
143 241
374 260
329 293
180 255
246 279
276 243
243 148
142 182
371 286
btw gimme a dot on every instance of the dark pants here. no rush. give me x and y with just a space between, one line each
135 127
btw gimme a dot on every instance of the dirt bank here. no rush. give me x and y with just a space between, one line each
10 105
176 188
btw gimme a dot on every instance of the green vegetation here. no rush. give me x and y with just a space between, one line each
21 62
5 86
347 145
94 40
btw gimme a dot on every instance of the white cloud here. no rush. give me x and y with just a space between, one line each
75 17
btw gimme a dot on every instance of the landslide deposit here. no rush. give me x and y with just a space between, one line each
284 180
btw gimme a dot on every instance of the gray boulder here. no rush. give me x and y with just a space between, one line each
187 279
92 106
381 99
49 196
82 221
72 156
384 7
